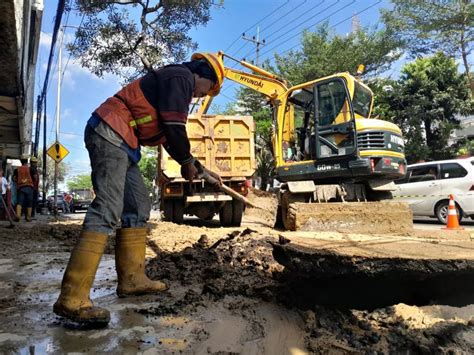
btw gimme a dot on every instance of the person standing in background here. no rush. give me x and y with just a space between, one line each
34 168
4 184
23 177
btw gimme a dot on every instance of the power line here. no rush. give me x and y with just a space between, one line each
291 21
283 16
256 23
314 24
344 20
42 95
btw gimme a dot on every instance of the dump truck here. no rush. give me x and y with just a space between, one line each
223 144
330 156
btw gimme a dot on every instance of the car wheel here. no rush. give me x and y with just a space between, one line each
441 212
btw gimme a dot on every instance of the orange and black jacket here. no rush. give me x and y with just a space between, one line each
24 176
153 110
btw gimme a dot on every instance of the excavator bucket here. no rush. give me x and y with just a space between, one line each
353 217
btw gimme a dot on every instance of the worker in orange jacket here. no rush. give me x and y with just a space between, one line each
150 111
24 177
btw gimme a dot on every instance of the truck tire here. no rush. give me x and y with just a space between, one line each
178 211
237 212
168 210
225 214
373 195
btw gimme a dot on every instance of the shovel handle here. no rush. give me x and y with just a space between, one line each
224 188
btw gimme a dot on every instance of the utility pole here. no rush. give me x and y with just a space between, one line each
256 40
58 119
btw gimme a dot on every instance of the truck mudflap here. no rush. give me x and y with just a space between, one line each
352 217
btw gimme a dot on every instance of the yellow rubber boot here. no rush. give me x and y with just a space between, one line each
18 212
130 264
74 301
28 214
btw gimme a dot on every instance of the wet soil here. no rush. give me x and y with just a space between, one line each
228 295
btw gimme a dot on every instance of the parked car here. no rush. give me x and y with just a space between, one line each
59 202
426 188
82 198
80 204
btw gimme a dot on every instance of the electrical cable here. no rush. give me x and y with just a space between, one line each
256 23
344 20
314 24
267 37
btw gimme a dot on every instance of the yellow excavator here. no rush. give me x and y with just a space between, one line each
326 146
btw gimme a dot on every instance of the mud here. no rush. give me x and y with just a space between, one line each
228 295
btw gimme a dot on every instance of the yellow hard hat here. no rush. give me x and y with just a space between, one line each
33 159
217 64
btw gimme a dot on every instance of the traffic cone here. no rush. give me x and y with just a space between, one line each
452 222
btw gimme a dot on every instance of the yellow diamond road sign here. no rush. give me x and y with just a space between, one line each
57 152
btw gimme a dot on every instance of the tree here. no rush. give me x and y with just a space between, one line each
424 102
427 27
148 168
62 168
128 38
80 182
324 53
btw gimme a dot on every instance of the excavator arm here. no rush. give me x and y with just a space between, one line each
259 80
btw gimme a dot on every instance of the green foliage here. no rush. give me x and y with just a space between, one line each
427 27
148 168
465 148
424 103
129 38
324 53
62 171
80 182
253 103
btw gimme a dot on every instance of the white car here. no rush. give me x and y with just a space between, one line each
426 188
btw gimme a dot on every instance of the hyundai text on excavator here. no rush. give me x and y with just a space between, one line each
327 149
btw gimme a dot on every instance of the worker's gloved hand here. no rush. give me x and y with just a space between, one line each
208 175
189 171
215 176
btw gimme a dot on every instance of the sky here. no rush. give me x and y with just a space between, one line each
280 23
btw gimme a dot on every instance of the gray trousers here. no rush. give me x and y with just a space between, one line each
118 186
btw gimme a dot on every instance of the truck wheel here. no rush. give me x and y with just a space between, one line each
178 211
237 212
225 214
378 195
168 210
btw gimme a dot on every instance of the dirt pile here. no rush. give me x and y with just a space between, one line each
399 328
268 203
240 263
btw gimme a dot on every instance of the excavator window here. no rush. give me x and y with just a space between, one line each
362 100
331 100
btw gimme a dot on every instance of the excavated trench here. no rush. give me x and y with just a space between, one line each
366 290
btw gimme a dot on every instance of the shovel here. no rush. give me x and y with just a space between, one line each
226 189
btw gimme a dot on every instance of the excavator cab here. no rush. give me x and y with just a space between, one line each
324 122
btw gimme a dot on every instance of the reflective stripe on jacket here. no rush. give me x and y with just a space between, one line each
130 115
